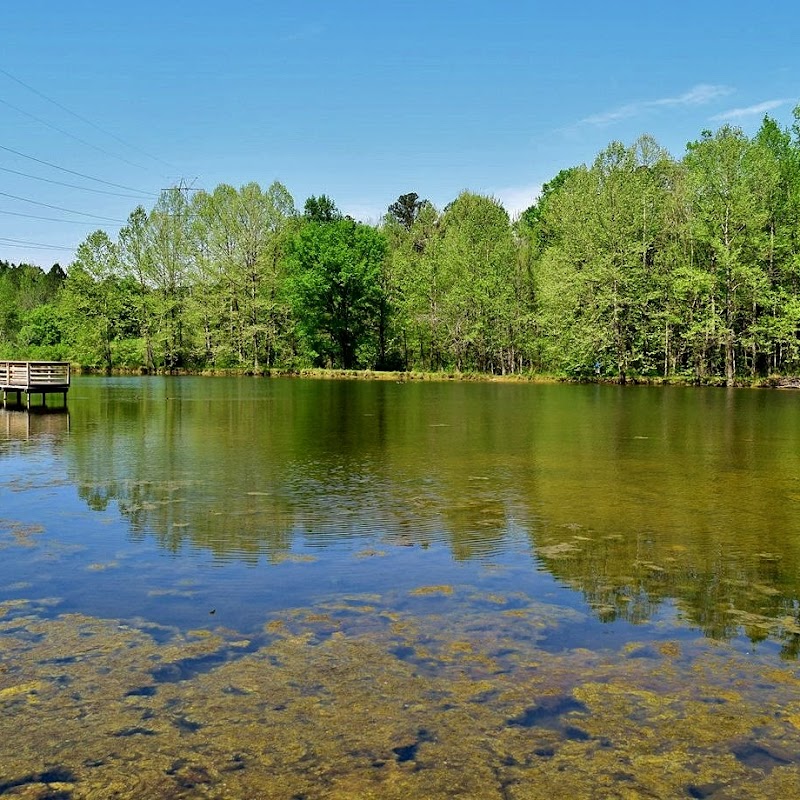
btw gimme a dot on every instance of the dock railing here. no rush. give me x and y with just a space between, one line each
34 377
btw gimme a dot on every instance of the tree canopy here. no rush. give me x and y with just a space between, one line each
636 264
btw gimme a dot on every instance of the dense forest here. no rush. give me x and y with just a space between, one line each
636 265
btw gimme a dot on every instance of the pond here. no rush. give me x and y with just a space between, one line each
282 588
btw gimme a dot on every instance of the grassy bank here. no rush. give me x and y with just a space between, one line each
444 376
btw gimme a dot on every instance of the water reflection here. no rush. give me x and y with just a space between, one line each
26 424
242 468
631 497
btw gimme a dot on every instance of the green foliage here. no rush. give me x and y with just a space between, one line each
23 288
127 353
335 290
405 210
171 249
638 264
599 276
97 305
321 209
731 179
532 223
473 261
41 326
136 263
240 269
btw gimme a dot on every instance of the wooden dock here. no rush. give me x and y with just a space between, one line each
34 377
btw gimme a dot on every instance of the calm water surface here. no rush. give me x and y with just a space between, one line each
300 589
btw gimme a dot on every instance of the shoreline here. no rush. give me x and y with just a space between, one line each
454 376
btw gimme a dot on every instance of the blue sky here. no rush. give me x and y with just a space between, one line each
360 101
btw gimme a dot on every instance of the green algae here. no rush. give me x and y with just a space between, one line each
98 566
188 593
354 698
371 553
18 534
428 590
27 689
293 558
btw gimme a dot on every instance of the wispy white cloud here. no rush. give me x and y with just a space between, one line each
749 111
515 199
698 95
367 212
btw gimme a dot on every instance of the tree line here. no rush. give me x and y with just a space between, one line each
638 264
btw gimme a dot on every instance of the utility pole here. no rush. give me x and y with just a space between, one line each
183 187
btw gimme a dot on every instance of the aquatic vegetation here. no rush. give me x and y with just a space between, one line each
14 533
237 607
100 567
424 590
292 558
371 553
355 699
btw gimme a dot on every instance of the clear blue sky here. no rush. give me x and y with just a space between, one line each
361 101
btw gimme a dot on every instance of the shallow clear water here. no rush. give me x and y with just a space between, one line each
454 589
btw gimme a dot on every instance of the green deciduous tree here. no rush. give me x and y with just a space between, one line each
405 210
636 264
241 239
602 232
335 286
321 209
41 327
94 300
413 290
731 179
171 259
474 263
135 259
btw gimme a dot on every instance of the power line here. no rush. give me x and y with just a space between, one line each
53 219
87 121
75 185
73 172
67 133
57 208
37 245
